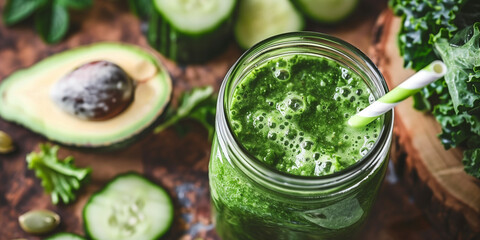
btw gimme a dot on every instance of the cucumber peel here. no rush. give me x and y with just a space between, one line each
191 31
65 236
326 11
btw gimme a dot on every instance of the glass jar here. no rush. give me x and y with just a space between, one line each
252 201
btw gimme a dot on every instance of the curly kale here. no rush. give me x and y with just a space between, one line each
425 21
433 29
472 162
459 113
60 178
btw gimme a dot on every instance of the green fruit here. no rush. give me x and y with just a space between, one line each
26 96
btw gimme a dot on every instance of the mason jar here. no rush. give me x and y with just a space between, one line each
252 201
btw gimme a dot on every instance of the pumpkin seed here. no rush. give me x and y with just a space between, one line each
6 143
39 221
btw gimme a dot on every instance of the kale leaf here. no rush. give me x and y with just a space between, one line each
463 62
433 29
425 21
198 104
459 114
60 178
471 161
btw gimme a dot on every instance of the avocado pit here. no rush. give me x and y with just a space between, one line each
98 90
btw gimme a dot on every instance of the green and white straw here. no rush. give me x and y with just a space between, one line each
412 85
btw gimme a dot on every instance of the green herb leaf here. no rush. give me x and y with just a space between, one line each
463 62
51 22
469 14
141 8
59 178
198 104
456 99
205 114
17 10
432 27
75 4
471 161
424 21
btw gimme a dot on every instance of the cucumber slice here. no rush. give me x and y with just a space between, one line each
191 31
326 11
260 19
65 236
128 207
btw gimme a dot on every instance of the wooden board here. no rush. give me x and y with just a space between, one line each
449 196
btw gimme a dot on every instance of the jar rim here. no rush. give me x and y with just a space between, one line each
270 175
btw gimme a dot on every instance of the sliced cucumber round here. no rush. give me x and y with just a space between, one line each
260 19
65 236
191 31
128 207
326 11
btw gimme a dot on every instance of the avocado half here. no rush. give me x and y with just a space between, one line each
25 96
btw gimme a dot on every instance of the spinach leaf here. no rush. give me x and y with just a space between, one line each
51 22
60 178
18 10
50 16
75 4
198 104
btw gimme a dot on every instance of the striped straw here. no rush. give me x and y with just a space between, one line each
412 85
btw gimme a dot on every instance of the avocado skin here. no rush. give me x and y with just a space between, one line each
12 110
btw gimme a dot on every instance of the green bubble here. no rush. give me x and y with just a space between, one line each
307 145
272 136
291 134
281 74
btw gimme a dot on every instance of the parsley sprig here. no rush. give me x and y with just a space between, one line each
60 178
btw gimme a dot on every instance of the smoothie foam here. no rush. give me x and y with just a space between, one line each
291 113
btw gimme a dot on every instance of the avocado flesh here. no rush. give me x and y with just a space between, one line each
25 96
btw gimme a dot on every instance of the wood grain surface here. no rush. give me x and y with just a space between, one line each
449 196
176 161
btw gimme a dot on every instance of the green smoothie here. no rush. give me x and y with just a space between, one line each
290 113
